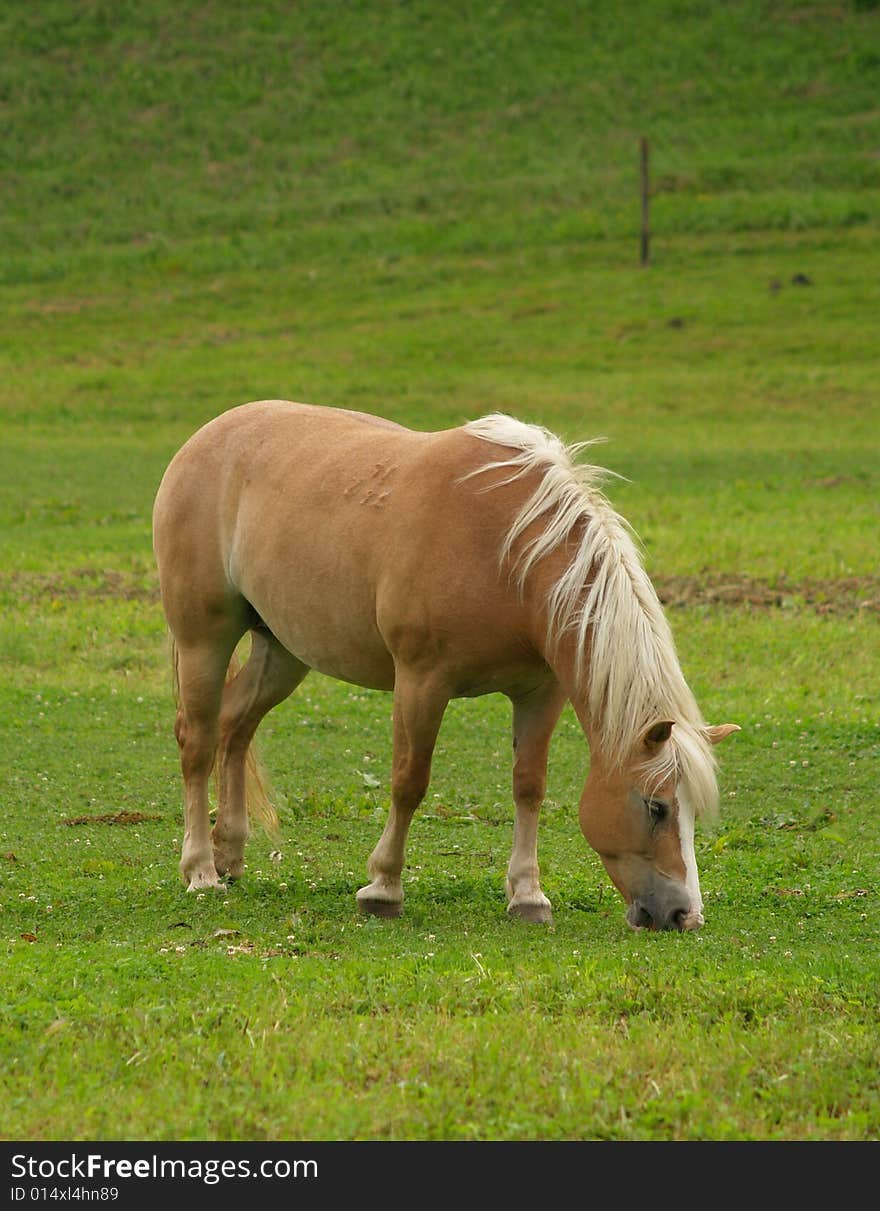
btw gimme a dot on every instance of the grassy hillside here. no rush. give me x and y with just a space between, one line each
219 136
431 211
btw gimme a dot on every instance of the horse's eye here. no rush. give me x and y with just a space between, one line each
658 809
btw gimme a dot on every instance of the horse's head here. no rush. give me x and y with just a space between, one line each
638 818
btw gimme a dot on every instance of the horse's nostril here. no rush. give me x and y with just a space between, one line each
678 918
638 917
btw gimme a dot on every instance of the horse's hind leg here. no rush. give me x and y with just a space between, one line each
418 711
201 673
268 677
534 718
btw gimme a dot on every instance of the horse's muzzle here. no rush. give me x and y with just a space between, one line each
648 915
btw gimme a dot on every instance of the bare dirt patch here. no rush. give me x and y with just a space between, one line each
111 818
75 584
850 595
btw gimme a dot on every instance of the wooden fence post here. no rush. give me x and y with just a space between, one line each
646 201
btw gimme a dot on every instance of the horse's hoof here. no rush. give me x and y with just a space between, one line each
378 899
205 882
380 908
537 914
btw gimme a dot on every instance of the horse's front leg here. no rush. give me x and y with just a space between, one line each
535 716
419 704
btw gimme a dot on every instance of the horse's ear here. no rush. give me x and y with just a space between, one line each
720 731
657 734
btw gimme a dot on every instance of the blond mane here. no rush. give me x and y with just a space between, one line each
628 669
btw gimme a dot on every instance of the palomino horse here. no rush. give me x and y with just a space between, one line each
470 561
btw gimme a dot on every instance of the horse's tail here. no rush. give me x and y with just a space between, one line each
258 790
257 787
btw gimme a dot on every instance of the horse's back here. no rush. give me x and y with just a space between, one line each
277 458
275 453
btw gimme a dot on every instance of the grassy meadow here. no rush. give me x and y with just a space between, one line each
431 212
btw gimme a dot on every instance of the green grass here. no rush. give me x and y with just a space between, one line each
432 216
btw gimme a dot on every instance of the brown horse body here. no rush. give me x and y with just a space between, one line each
392 559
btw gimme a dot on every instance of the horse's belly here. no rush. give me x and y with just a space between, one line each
331 628
356 658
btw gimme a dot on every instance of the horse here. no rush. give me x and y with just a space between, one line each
484 558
